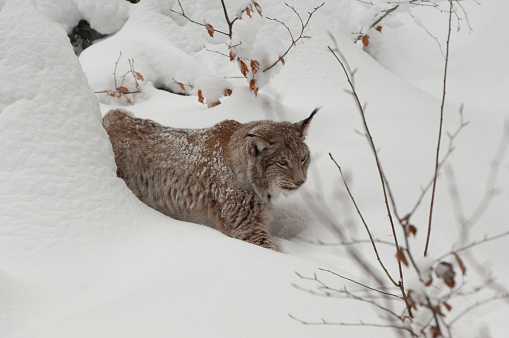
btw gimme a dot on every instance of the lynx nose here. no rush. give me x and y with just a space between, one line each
299 179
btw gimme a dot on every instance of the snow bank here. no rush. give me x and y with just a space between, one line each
80 255
77 247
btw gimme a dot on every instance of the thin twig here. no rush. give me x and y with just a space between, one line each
437 159
115 70
360 323
363 285
363 222
375 153
344 243
474 244
183 14
476 305
387 12
301 35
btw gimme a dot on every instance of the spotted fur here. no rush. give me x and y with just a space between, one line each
224 176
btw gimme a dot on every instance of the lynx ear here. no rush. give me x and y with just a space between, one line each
256 143
302 126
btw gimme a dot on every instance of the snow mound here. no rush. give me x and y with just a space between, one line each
76 244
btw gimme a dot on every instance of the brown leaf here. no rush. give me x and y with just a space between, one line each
122 90
139 76
252 84
182 87
227 92
410 230
438 310
445 271
258 8
379 28
111 93
200 97
210 29
365 40
254 66
400 256
413 299
248 11
460 263
232 55
447 306
282 60
243 68
217 103
435 332
253 87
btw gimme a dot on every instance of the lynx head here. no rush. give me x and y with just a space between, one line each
278 157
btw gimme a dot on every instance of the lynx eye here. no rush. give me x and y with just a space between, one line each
304 160
282 163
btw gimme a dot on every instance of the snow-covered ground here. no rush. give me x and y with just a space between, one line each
81 256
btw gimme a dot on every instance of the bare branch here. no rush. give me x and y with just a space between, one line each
476 305
363 222
363 285
442 106
304 25
324 322
375 152
183 14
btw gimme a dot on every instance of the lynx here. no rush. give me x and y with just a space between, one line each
224 176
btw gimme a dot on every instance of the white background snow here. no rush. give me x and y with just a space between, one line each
80 256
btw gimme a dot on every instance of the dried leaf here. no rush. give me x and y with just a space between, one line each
139 76
435 332
182 87
122 90
400 256
379 28
365 40
446 272
227 92
258 8
200 97
248 11
253 87
282 60
111 93
447 306
128 100
252 84
460 263
254 66
217 103
410 230
438 310
412 299
243 68
210 29
232 55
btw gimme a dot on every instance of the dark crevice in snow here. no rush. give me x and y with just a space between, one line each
82 36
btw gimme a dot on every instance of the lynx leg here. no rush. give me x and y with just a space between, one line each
248 222
257 235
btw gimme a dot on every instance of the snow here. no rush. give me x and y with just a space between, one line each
81 256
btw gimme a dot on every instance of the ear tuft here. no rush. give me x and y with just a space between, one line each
302 126
257 143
